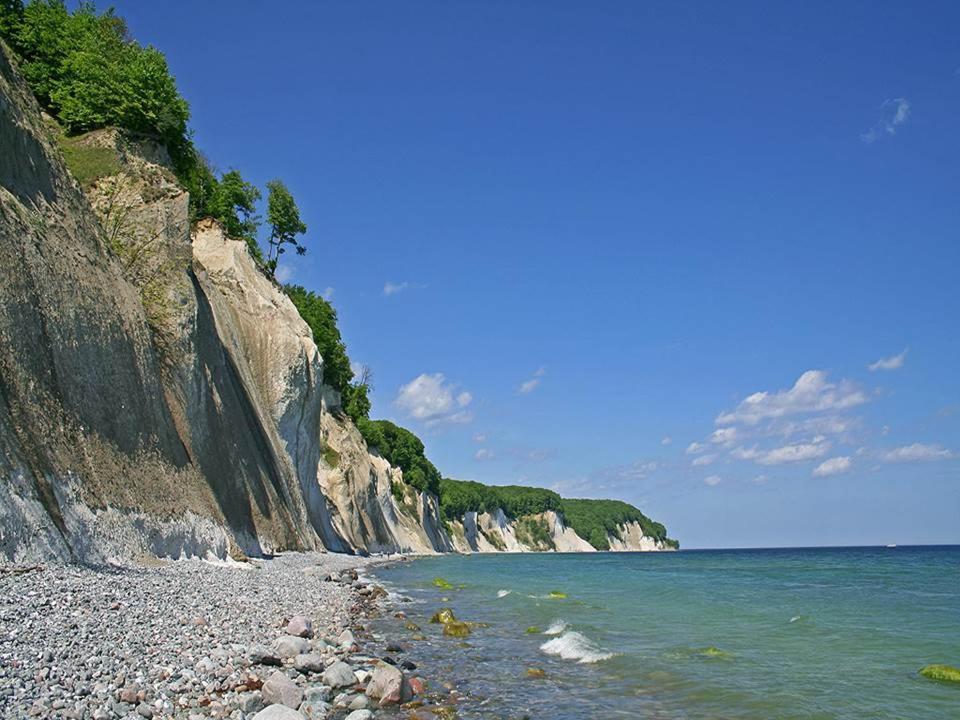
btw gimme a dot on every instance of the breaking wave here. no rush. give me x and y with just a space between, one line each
572 645
556 627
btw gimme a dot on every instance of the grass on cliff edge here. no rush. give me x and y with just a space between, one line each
86 163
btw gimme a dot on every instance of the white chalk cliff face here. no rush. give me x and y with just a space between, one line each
175 405
495 532
188 420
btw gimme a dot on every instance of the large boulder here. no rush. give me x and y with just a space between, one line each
339 675
456 629
262 655
443 616
388 685
943 673
346 639
289 646
300 626
281 690
278 712
315 709
359 715
309 663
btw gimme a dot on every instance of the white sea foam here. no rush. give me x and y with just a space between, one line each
795 618
503 593
556 627
572 645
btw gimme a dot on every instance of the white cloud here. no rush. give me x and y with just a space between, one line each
695 448
328 293
724 436
713 480
894 362
742 453
483 454
530 385
893 114
703 460
812 392
390 288
760 479
639 470
667 440
479 437
916 453
534 455
283 274
430 399
827 425
797 452
833 466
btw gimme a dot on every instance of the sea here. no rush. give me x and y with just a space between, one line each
810 633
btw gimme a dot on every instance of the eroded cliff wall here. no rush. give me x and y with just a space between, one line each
495 532
160 395
187 418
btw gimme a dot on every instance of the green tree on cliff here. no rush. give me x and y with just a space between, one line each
11 14
356 395
285 223
322 319
233 203
88 73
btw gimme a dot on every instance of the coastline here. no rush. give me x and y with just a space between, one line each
195 639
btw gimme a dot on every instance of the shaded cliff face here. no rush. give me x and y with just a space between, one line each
345 490
83 419
159 395
168 402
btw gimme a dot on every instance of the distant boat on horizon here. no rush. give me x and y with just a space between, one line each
892 545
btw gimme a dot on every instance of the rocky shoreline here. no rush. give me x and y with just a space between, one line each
285 638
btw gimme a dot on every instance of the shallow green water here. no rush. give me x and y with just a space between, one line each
807 633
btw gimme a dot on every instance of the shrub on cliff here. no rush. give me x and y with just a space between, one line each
595 520
460 496
322 319
403 449
233 202
285 223
88 73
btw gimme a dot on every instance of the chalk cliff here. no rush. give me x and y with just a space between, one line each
161 395
168 405
495 532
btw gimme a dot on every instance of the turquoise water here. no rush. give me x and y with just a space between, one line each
806 633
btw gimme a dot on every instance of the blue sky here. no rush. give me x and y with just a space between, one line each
574 239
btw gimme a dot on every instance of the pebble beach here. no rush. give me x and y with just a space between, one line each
278 639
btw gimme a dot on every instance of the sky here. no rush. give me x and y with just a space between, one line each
701 257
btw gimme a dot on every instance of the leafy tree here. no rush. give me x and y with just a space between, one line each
356 395
593 520
598 538
322 319
11 15
285 223
233 203
596 520
460 496
88 73
402 448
